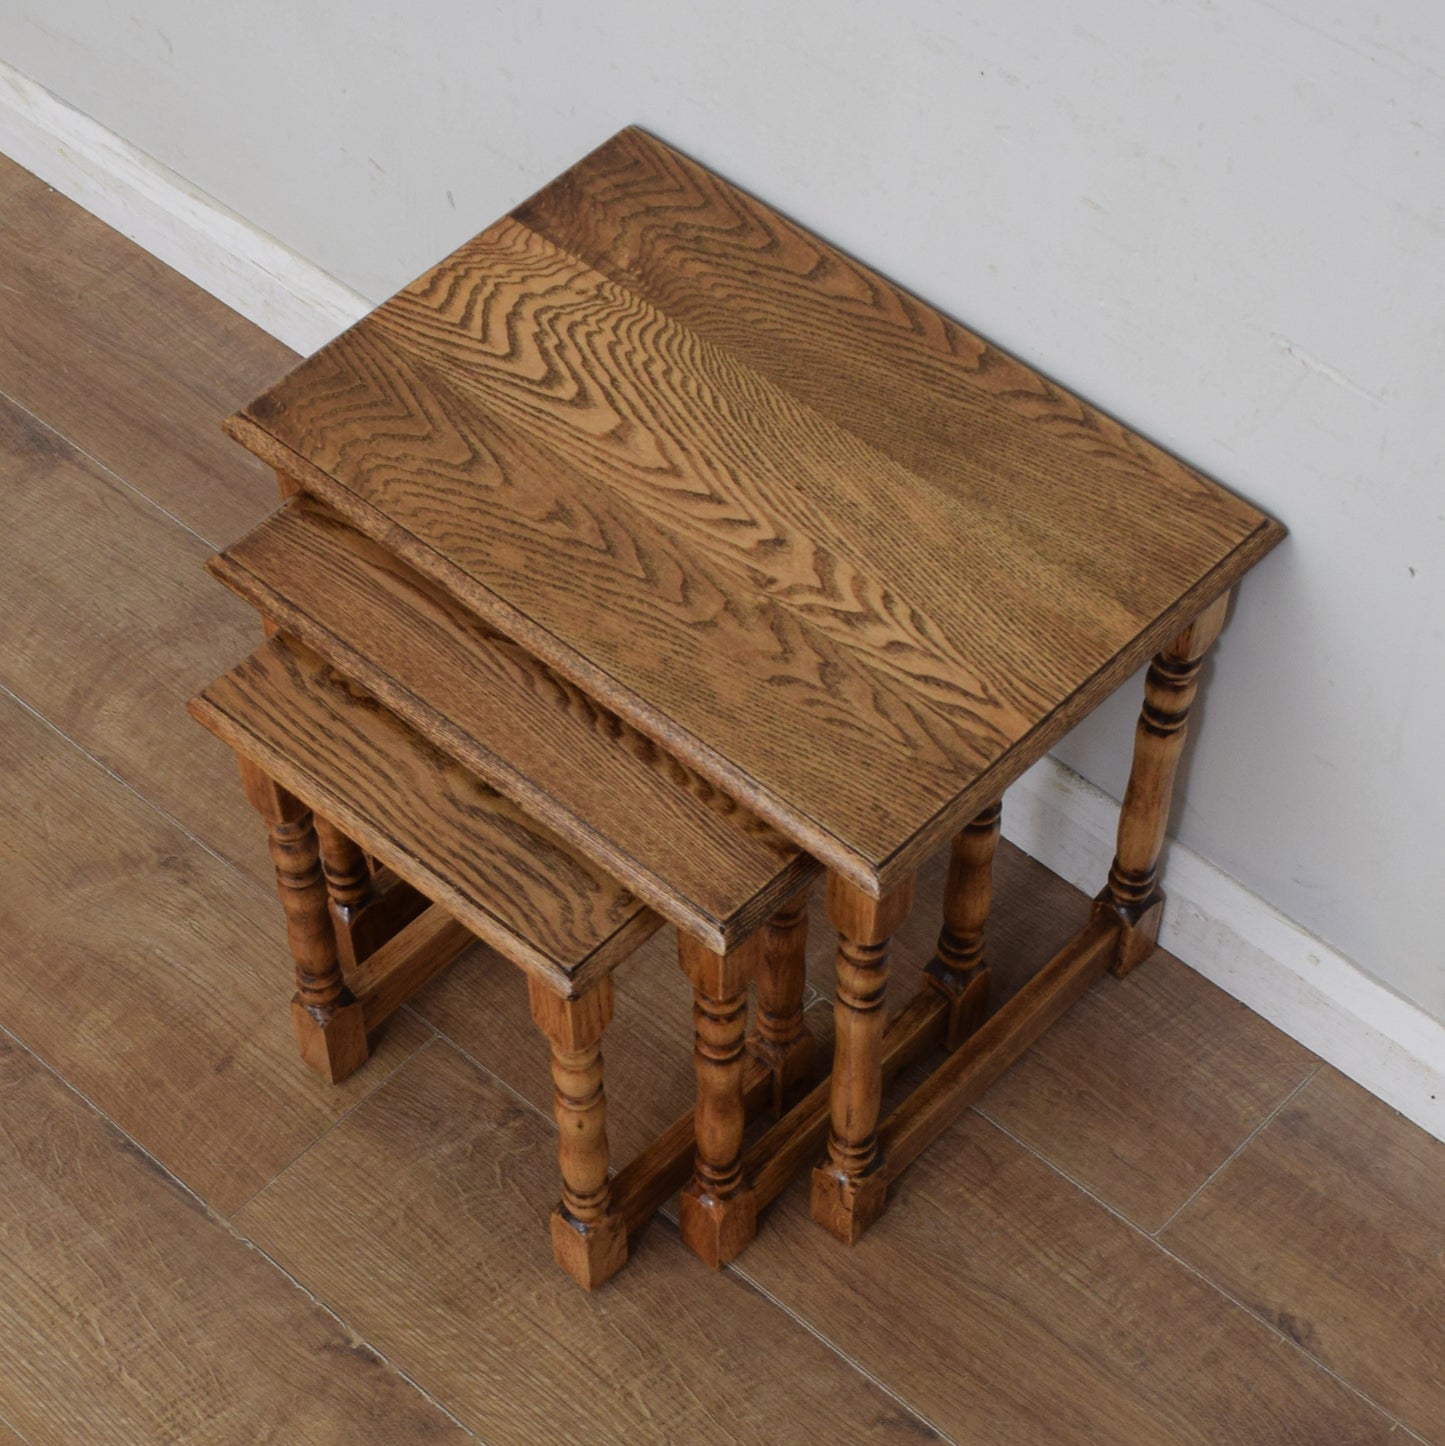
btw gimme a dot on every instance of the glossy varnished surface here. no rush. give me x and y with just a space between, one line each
711 866
420 812
855 566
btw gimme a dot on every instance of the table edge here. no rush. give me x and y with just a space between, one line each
874 877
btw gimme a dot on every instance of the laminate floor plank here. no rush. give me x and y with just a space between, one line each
1003 1288
1006 1306
1331 1226
421 1219
111 623
153 977
14 177
130 1315
1146 1086
132 362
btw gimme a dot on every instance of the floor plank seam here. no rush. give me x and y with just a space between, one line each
666 1214
346 1114
13 1430
837 1350
105 467
360 1340
491 1074
221 1222
1238 1150
1289 1340
126 784
91 1105
1204 1279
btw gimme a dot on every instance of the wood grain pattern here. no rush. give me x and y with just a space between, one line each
1062 1323
1329 1226
455 1286
707 864
130 1315
131 361
1145 1087
110 624
792 606
885 365
152 976
463 845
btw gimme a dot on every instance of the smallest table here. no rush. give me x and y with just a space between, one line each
841 558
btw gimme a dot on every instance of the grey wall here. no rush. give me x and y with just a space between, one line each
1223 221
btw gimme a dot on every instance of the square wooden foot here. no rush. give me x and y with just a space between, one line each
1139 931
846 1208
717 1230
335 1048
789 1067
966 1010
590 1254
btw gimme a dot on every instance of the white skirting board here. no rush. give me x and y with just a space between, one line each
1212 922
1247 947
191 232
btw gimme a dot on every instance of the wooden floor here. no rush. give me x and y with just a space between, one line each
1169 1223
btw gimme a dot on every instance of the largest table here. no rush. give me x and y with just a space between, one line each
856 566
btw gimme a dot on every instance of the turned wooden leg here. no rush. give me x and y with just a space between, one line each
957 969
849 1189
1133 890
719 1211
328 1021
589 1238
781 1040
348 882
364 916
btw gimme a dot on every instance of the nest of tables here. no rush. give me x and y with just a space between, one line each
643 560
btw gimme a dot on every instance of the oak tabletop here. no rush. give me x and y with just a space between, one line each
853 564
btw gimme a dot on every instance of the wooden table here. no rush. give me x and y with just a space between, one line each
850 563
